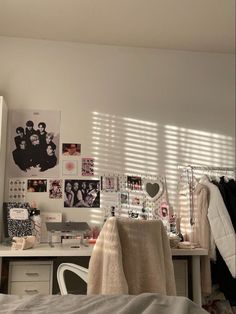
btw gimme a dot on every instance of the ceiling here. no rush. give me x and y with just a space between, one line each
196 25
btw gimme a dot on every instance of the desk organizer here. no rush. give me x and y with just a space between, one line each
66 230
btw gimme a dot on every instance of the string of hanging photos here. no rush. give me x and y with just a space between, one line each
190 171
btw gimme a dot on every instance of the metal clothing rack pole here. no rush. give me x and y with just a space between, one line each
207 168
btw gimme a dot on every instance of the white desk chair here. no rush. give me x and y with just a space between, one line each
78 270
130 257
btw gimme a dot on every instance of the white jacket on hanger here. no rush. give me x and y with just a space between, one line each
221 226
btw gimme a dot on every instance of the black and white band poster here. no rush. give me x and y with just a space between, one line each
82 193
34 143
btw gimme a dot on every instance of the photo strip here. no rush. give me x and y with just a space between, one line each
88 167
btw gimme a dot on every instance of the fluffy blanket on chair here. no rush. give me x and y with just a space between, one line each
131 257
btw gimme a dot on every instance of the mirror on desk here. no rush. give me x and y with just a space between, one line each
153 189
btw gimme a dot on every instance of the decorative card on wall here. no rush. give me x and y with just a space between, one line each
55 189
34 142
70 167
82 193
109 183
17 189
88 167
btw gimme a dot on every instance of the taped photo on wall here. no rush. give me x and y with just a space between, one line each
82 193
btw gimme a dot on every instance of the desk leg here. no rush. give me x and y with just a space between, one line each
0 274
196 280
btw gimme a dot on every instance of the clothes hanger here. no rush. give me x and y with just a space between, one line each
226 177
207 176
215 176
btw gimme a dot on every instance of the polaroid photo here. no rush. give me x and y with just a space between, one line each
135 200
124 198
71 149
55 189
134 183
109 183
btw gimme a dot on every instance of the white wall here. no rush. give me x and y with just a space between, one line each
176 96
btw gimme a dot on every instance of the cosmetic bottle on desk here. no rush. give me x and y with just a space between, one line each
36 223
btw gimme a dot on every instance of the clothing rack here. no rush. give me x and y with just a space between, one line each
207 168
189 169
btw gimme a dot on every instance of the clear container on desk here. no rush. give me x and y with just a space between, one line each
66 230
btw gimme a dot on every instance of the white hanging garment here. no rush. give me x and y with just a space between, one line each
221 226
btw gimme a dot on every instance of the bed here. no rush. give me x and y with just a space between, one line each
146 303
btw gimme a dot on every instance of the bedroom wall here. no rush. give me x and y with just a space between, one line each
138 111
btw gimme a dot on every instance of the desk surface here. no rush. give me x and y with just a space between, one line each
64 250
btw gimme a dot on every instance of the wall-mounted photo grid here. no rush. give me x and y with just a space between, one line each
139 197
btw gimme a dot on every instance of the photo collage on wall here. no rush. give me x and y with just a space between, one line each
37 162
79 192
36 158
136 196
34 137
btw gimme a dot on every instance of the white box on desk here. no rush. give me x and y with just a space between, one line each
73 241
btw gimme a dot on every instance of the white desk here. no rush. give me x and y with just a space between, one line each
44 250
196 276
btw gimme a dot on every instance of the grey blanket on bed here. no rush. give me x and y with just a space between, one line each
146 303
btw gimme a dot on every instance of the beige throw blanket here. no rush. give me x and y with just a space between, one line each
97 304
131 257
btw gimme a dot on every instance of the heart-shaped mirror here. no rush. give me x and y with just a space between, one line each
153 189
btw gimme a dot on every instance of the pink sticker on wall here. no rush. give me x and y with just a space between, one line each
88 167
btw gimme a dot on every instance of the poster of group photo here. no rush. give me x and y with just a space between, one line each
34 143
82 193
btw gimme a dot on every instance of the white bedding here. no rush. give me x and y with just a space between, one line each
147 303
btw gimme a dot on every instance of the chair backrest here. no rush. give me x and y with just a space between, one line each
131 257
78 270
